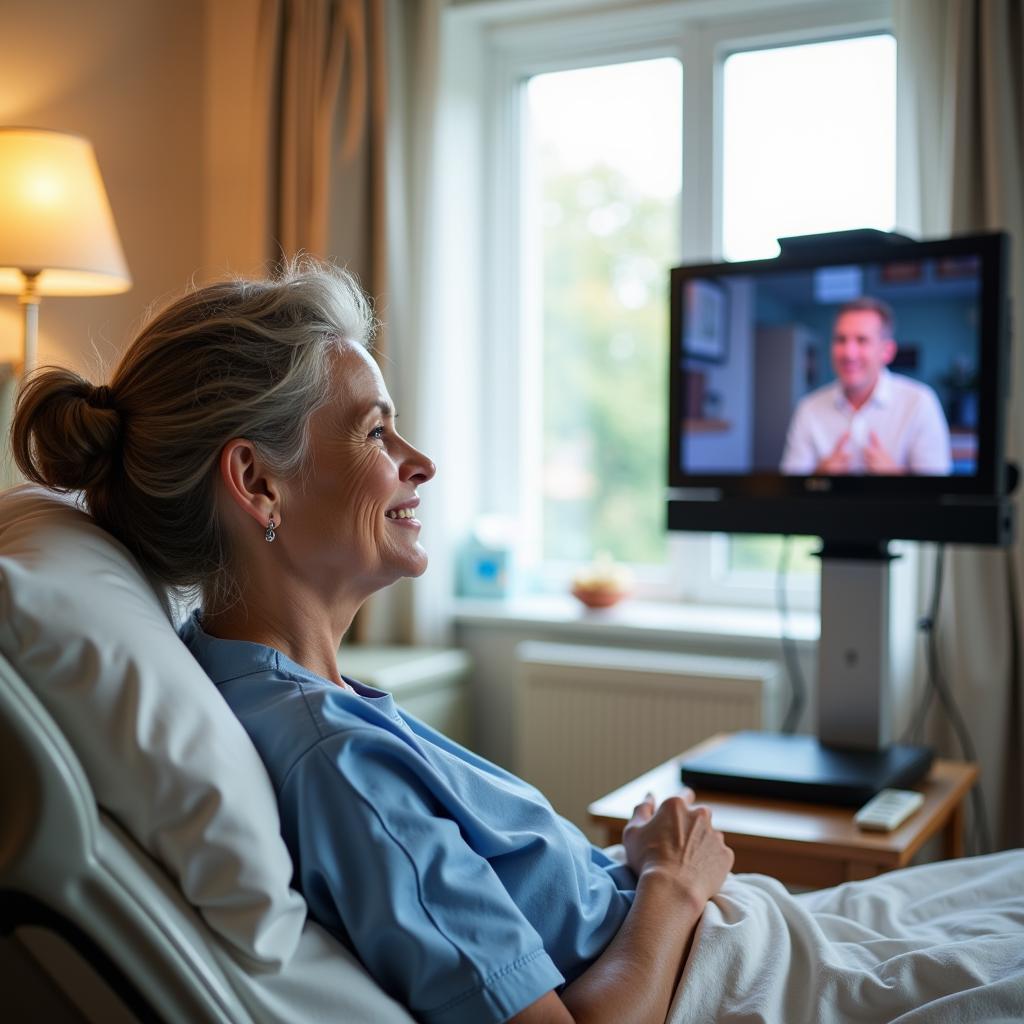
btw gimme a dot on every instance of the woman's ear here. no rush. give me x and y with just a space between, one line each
248 484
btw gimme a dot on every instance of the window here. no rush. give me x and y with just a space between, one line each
799 160
618 143
601 215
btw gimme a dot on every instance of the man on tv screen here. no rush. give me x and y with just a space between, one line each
869 420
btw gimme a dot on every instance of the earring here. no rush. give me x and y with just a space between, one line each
271 533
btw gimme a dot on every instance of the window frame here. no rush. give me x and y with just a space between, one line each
559 35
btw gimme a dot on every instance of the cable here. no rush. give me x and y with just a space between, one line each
936 686
1016 678
915 731
797 684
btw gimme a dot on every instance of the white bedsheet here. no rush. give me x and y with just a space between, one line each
939 943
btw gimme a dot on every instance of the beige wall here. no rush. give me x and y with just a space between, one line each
129 75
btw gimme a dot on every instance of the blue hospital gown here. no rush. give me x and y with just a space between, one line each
461 890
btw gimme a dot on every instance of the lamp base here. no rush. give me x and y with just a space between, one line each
29 300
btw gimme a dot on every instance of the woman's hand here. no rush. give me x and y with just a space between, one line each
677 840
680 862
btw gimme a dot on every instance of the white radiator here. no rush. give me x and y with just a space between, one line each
592 718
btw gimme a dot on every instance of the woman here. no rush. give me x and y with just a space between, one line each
246 450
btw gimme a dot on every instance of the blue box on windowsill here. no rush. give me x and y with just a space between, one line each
485 562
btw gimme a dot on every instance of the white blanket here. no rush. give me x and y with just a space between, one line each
938 943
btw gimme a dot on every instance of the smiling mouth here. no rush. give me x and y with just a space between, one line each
402 514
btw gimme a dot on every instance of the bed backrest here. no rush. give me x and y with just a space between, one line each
82 626
66 867
110 709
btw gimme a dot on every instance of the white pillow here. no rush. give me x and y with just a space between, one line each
164 754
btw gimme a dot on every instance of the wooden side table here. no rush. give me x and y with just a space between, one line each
805 844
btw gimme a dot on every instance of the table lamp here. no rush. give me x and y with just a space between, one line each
57 233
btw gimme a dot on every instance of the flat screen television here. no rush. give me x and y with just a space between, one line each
769 359
855 389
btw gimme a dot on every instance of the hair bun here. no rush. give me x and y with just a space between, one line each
66 432
102 398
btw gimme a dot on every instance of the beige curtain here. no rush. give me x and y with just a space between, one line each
296 127
310 50
962 151
322 82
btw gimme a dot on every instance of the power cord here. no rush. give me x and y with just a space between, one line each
926 626
797 683
936 686
1016 669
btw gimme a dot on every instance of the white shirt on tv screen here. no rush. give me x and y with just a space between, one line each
904 414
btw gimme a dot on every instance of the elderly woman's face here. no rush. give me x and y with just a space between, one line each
353 510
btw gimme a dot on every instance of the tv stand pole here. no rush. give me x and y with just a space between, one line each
854 669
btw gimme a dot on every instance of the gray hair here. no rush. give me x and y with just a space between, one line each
235 359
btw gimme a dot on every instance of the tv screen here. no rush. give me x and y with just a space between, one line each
871 370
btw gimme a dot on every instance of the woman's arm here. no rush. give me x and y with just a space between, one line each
681 861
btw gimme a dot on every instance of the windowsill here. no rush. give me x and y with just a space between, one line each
636 619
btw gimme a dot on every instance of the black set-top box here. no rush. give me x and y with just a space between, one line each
802 768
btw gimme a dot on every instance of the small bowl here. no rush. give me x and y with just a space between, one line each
599 597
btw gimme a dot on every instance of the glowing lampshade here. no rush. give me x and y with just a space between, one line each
57 233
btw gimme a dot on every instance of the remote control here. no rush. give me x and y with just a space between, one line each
888 809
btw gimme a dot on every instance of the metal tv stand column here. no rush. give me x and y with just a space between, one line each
854 668
855 700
